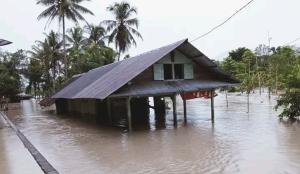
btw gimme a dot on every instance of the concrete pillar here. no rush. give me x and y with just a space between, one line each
174 110
129 114
159 108
184 111
212 106
108 105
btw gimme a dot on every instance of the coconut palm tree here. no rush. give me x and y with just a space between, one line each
62 10
96 34
76 38
48 53
124 27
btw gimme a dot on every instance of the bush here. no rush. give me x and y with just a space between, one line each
290 101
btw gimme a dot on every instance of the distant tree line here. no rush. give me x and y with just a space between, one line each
11 68
272 68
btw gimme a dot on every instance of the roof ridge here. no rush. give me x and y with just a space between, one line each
147 52
159 48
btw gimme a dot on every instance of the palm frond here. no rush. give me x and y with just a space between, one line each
71 15
82 9
112 36
46 2
130 12
47 13
110 24
135 32
131 38
133 22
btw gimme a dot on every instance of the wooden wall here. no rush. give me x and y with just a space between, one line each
97 110
200 73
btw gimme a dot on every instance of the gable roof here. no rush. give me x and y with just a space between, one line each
101 82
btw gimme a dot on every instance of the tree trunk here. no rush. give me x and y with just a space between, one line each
226 98
64 43
54 76
34 89
249 68
119 56
248 93
276 80
259 84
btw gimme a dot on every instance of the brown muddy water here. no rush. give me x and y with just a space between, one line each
238 142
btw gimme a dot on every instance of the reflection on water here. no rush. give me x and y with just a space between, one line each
237 142
14 158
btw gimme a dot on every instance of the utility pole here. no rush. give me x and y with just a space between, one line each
269 50
269 42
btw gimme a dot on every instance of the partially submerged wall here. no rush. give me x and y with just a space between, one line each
98 109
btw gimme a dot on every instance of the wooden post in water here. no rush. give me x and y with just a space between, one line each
184 111
212 106
174 110
226 95
108 105
129 114
159 107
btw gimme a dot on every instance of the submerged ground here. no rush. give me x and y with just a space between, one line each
237 142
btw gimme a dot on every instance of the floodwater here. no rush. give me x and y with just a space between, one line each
238 142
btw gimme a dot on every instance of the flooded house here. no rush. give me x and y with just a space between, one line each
121 90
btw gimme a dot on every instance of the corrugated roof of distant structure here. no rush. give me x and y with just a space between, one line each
4 42
102 82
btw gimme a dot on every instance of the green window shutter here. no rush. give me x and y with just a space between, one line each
188 71
158 71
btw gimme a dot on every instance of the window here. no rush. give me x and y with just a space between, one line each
165 71
188 71
168 71
179 71
158 71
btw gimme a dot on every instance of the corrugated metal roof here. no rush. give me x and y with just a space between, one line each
169 87
83 81
4 42
101 82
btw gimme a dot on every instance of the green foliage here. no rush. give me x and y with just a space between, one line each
10 70
279 70
96 34
290 101
232 67
91 57
86 51
76 38
238 54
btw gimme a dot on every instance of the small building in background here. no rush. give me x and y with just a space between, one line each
121 90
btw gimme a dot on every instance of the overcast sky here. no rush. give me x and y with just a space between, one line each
166 21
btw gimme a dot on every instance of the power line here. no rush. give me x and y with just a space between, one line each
293 41
216 27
